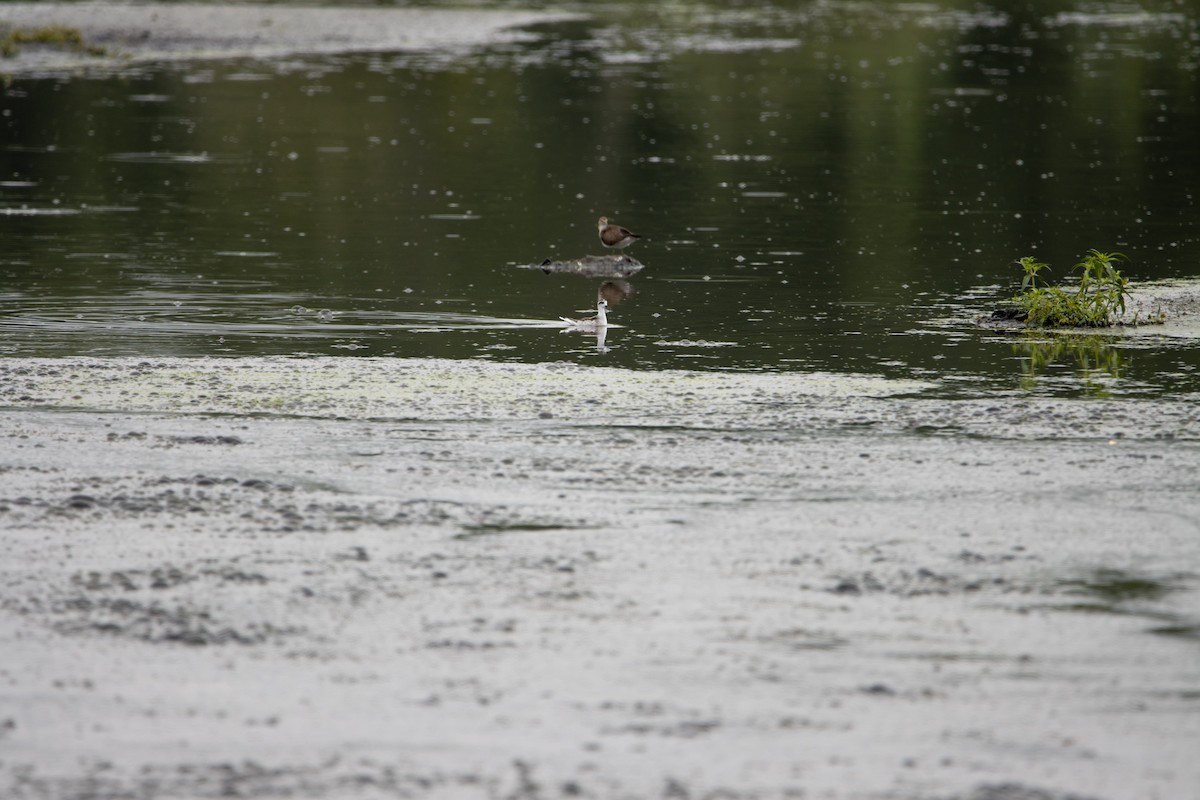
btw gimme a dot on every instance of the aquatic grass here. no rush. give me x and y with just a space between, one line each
1096 300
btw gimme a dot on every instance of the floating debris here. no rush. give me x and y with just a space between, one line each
607 266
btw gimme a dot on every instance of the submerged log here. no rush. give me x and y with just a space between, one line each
606 266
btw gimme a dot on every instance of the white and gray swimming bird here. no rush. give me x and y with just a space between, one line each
595 323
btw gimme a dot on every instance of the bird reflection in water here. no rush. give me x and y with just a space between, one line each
616 292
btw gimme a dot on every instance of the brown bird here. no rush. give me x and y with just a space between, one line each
612 235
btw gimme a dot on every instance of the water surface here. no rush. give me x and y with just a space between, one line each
821 187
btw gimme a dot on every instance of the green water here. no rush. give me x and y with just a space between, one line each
826 186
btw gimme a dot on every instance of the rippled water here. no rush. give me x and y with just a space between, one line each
824 187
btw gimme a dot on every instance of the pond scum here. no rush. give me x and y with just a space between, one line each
1097 300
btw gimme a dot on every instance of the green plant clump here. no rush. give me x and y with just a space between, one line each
56 35
1096 301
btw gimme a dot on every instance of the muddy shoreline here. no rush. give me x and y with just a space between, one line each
379 578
